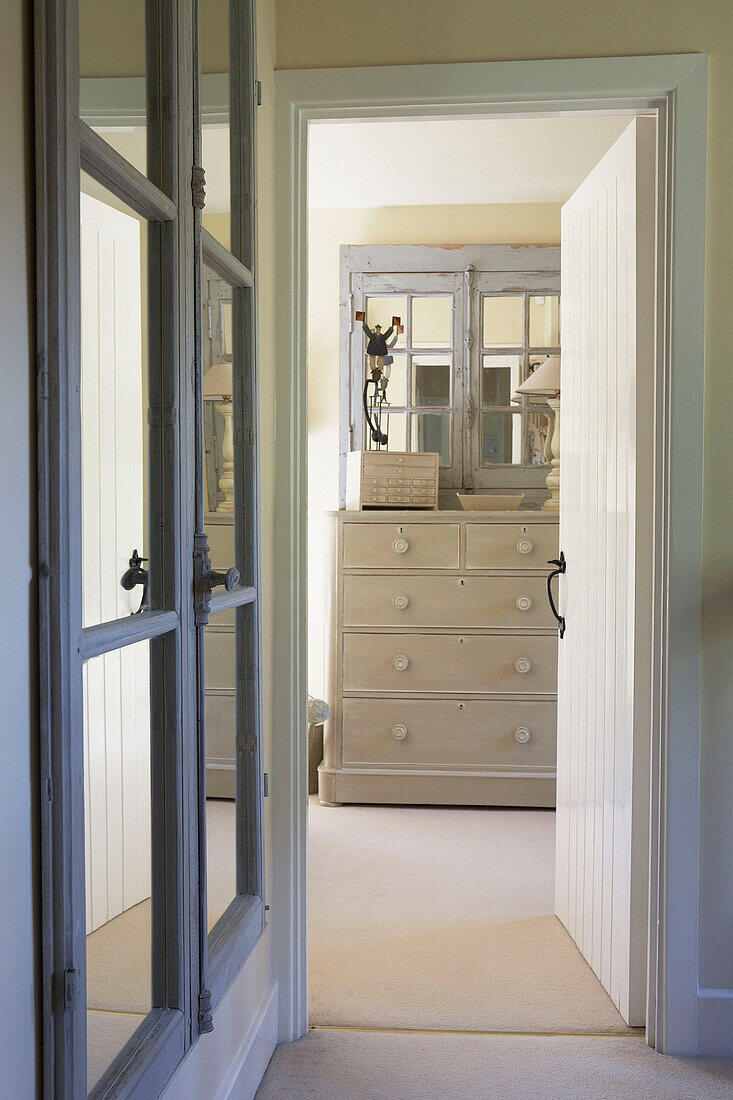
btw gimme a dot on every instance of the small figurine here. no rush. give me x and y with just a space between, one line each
377 347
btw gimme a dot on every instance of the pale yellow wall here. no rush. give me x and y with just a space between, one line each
112 37
530 223
327 33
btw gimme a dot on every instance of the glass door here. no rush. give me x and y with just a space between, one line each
227 532
149 590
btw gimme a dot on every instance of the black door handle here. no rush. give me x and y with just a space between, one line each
135 575
561 565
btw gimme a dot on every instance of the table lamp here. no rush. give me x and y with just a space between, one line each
543 387
218 385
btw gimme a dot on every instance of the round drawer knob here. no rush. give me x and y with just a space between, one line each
400 546
399 732
523 664
523 603
525 546
400 662
522 735
400 601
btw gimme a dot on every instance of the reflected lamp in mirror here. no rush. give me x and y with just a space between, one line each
543 388
218 387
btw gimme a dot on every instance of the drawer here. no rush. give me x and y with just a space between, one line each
446 663
400 545
444 733
510 545
416 464
514 602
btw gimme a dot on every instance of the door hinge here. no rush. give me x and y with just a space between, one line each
198 187
205 1018
258 92
265 785
49 789
67 990
250 436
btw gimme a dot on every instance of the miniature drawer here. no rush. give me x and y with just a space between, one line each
510 545
460 602
445 733
400 545
447 663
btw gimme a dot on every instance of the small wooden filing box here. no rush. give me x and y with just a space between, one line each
391 479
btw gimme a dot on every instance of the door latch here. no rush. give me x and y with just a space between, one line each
205 579
135 575
561 566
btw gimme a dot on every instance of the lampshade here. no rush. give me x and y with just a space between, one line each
218 381
545 381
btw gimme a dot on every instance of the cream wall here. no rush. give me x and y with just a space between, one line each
528 223
326 33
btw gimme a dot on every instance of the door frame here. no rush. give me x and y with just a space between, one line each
675 87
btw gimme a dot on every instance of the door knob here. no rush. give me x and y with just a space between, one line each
523 664
230 579
400 601
400 662
400 546
523 603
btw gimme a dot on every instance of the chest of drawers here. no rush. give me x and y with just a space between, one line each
442 659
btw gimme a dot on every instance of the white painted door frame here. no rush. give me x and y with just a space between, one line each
675 87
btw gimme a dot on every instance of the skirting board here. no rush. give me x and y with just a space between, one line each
255 1051
715 1023
435 790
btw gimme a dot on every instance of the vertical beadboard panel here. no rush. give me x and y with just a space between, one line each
603 712
116 695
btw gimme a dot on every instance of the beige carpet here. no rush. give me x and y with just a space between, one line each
346 1065
442 919
107 1033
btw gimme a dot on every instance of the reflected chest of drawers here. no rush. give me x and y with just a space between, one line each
442 659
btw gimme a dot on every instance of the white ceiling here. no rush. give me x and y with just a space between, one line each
419 162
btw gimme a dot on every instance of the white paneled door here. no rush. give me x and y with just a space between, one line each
116 684
608 257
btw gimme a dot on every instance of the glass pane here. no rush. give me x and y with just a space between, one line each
112 67
114 405
503 321
501 438
431 432
117 801
391 424
215 118
221 725
544 322
381 311
431 322
431 380
231 717
500 376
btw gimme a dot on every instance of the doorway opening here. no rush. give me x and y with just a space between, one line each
433 887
